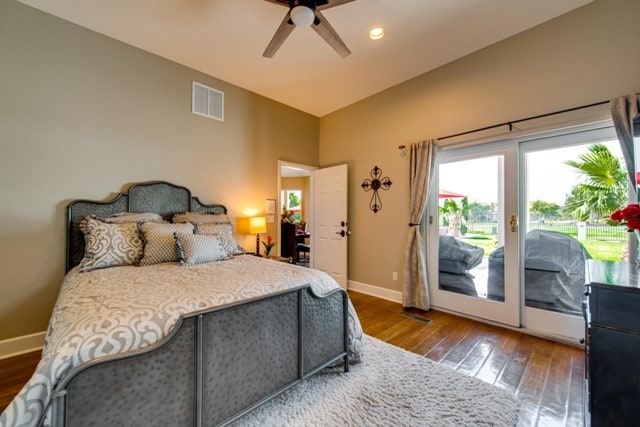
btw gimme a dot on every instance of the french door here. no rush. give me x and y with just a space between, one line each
492 253
472 275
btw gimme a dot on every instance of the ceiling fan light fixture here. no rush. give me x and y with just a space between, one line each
376 33
302 16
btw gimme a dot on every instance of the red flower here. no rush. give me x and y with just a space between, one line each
631 211
628 216
617 215
633 223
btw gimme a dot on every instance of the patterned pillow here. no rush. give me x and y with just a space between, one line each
198 248
109 245
224 232
133 217
159 243
199 218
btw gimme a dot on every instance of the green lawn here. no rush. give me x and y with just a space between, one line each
598 249
606 251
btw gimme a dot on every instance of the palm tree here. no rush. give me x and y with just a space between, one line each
455 216
605 187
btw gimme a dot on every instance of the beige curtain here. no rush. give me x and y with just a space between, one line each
623 110
415 288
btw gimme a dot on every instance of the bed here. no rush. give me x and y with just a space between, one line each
160 343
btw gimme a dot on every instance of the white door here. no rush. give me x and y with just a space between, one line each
329 236
476 266
545 175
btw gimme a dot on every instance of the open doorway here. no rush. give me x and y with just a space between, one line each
295 208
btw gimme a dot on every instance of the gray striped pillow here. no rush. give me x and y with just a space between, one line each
199 218
159 243
198 248
133 217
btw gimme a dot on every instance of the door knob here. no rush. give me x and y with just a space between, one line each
343 233
514 223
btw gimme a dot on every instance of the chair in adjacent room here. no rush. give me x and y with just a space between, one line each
302 251
288 241
302 248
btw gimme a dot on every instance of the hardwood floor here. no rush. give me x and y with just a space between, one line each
14 373
547 377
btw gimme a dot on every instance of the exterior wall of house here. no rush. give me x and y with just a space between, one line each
585 56
83 115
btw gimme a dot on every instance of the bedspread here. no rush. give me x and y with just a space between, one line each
120 309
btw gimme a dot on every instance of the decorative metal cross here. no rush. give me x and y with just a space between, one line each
375 183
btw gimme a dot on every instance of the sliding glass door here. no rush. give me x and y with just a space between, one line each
514 222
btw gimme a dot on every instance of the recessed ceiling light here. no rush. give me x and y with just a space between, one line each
376 33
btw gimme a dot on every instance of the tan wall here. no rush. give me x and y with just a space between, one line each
82 115
586 56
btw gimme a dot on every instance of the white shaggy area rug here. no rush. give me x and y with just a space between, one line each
390 387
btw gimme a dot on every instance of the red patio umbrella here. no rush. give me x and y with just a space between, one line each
446 194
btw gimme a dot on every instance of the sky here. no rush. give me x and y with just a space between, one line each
478 178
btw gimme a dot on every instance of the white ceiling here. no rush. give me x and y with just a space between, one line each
226 38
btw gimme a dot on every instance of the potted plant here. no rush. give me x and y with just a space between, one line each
268 245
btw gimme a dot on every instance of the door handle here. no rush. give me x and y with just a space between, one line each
344 233
514 223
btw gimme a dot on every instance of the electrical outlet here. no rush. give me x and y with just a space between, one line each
394 275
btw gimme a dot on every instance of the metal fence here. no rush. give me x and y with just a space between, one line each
593 231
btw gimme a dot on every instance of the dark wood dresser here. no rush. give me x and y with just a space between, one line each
612 313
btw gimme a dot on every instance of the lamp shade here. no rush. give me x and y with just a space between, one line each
257 225
252 225
302 16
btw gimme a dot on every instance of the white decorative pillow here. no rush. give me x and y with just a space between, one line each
224 233
133 217
109 245
159 243
198 248
199 218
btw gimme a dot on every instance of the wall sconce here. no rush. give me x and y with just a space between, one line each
254 225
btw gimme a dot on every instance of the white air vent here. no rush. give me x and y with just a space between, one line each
207 102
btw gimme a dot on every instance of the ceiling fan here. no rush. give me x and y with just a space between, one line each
305 13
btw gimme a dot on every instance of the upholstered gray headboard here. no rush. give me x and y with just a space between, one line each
160 197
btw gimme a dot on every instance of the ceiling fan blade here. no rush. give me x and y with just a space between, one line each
283 31
284 3
327 32
332 3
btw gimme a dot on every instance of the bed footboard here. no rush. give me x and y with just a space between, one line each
214 367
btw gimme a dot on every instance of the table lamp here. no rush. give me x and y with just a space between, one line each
257 225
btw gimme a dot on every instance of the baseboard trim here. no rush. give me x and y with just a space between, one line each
375 291
20 345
